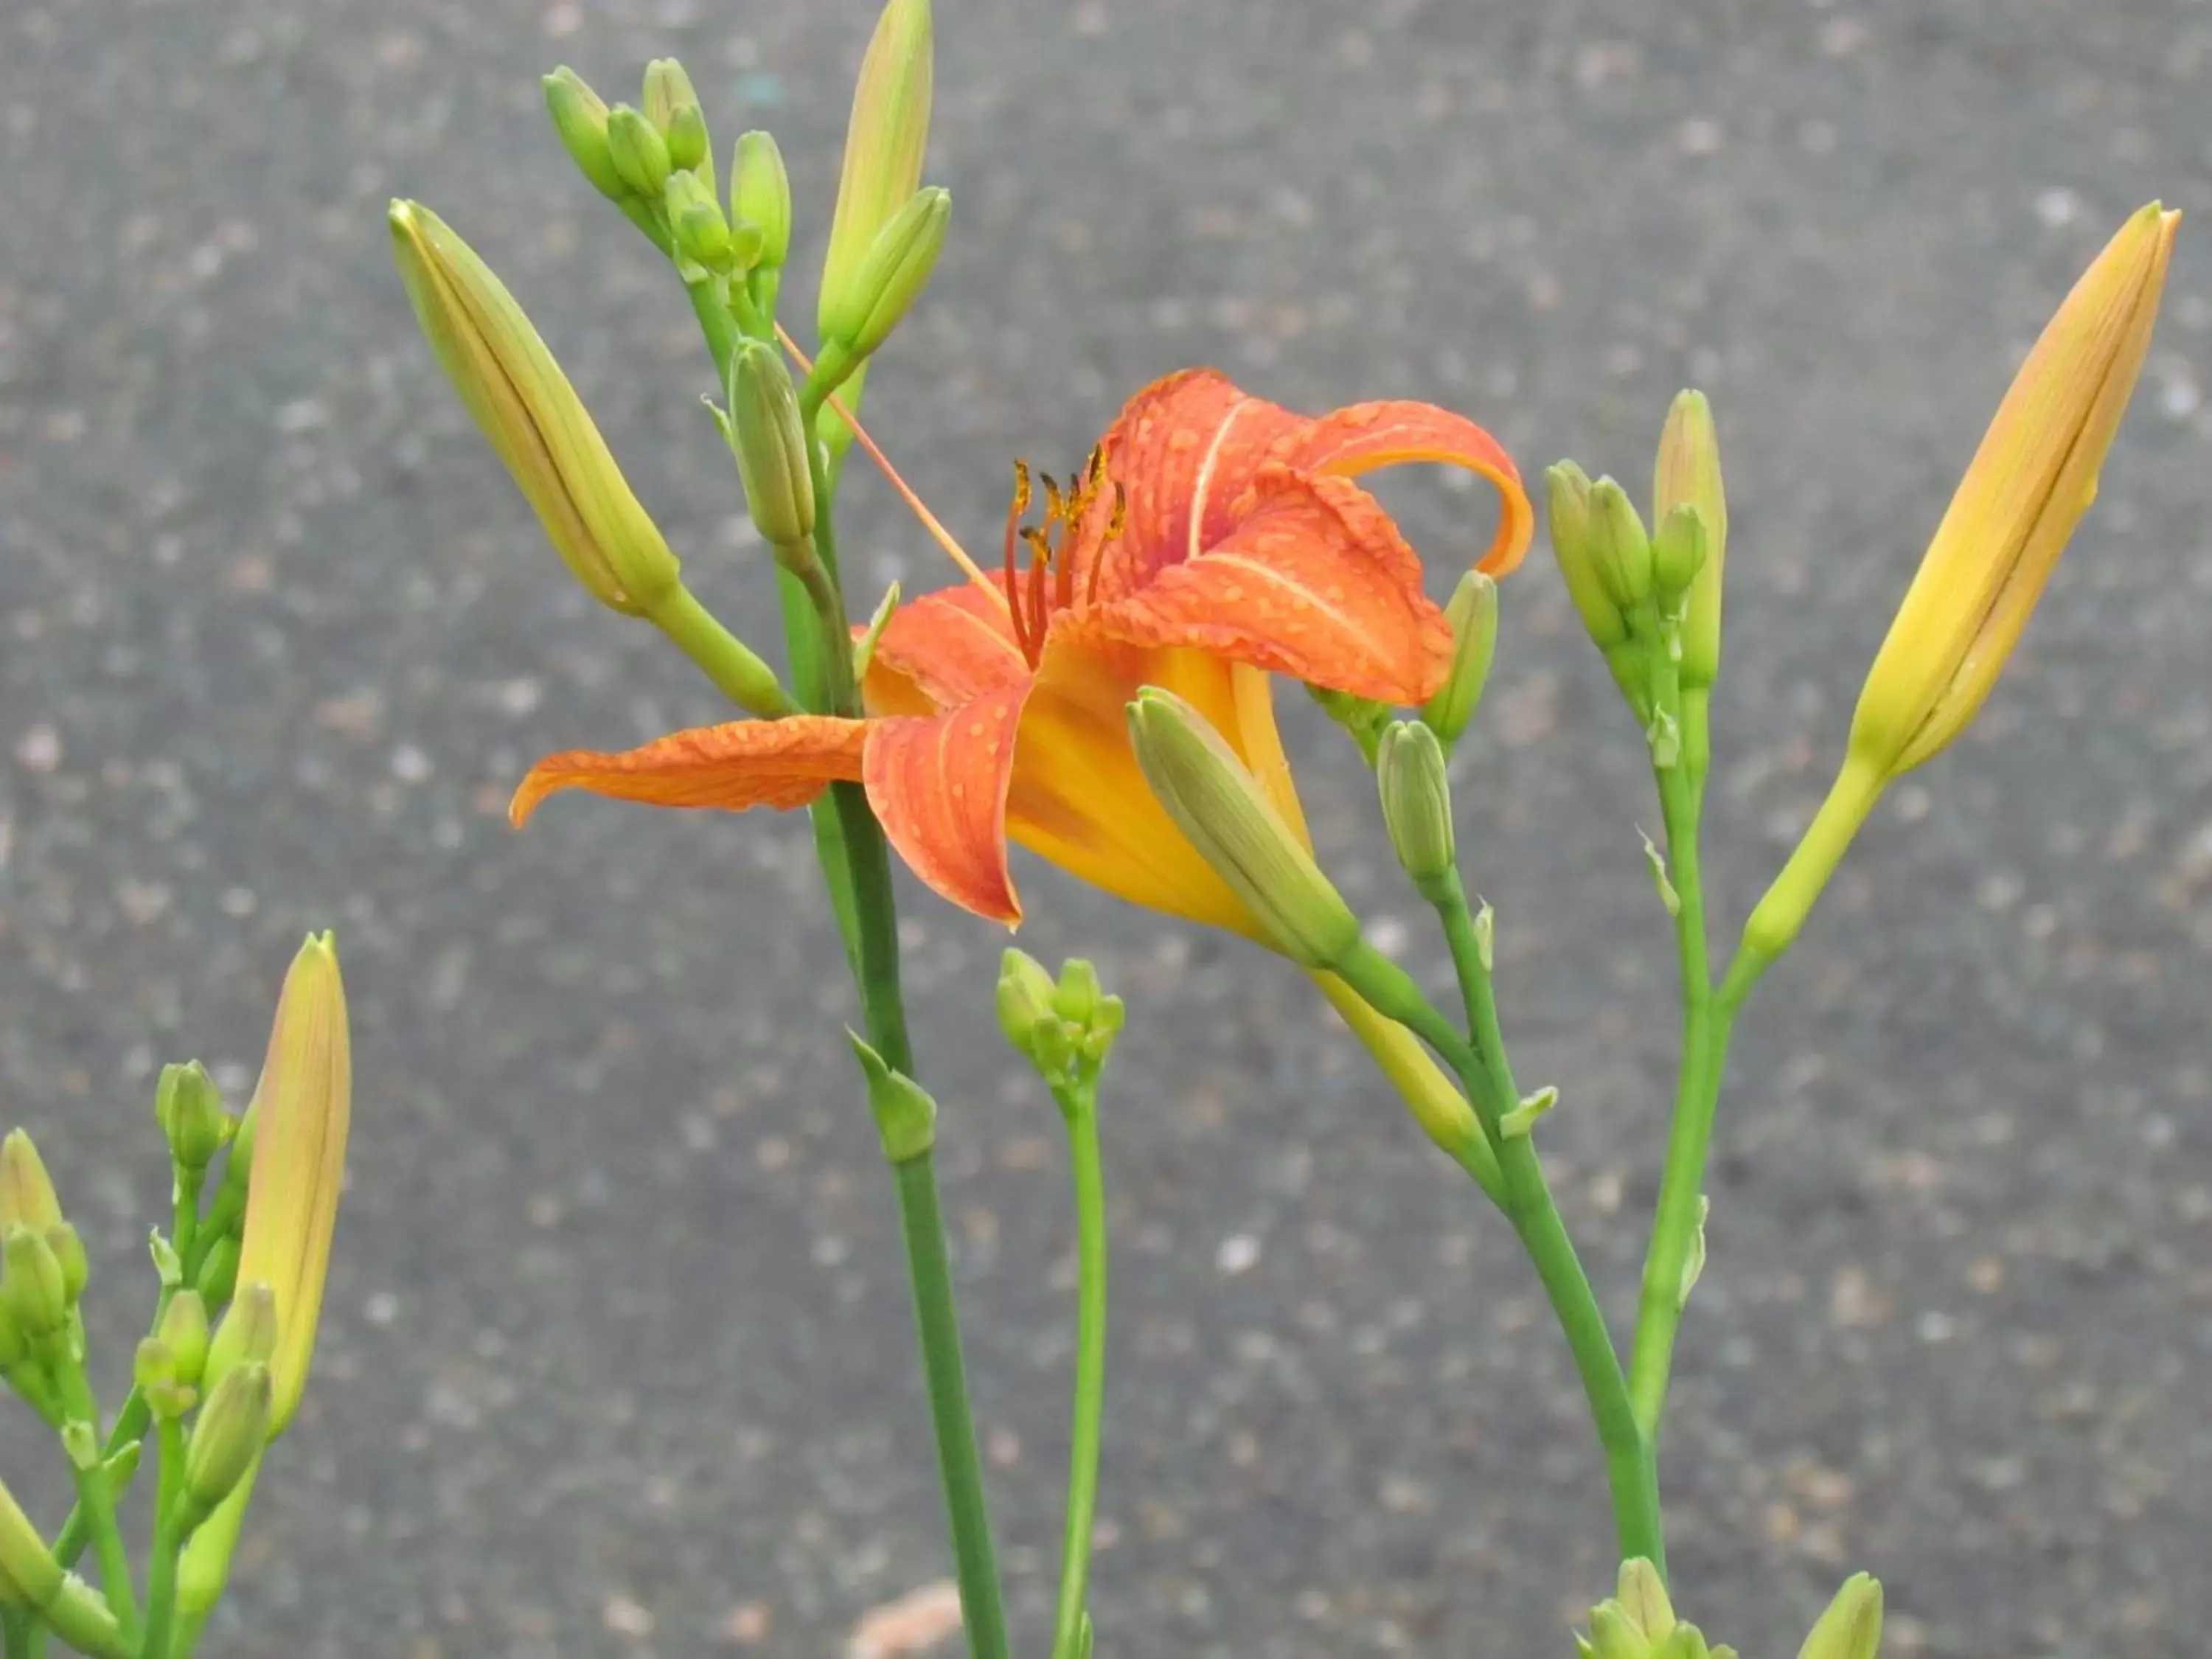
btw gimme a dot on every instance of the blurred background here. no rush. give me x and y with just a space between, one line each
617 1354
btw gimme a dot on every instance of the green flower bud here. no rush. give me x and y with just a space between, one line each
1025 998
68 1251
1678 551
890 275
159 1375
184 1332
760 194
32 1286
1219 806
672 107
1567 494
26 1192
219 1271
1642 1594
695 218
580 117
884 146
1688 474
1417 806
189 1108
769 441
229 1435
1851 1627
29 1575
1614 1633
638 152
906 1116
247 1334
1472 613
1619 547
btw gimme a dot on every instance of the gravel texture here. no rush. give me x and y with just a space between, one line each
616 1355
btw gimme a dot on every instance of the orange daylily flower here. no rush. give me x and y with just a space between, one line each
1213 539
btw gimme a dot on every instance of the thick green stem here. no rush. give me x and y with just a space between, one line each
1488 1078
168 1540
959 1466
1081 1108
1696 1092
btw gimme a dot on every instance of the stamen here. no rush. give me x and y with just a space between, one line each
1055 505
1039 604
938 532
1010 595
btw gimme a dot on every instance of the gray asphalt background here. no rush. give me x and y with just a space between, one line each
615 1355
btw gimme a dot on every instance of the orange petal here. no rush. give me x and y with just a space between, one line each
1314 581
781 763
938 784
950 646
1365 436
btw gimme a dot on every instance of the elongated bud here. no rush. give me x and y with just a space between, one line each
760 194
2027 489
229 1436
1026 1018
769 441
638 152
695 219
884 144
29 1575
1678 552
184 1332
26 1192
32 1287
906 1116
1687 473
189 1108
247 1334
1851 1627
1409 771
218 1275
891 275
580 117
1643 1595
526 406
68 1247
1614 1635
672 107
1220 807
1619 547
1567 489
298 1160
1472 613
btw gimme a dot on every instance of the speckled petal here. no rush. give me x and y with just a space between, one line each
780 763
939 786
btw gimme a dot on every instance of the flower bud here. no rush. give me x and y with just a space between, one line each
672 107
158 1375
26 1192
884 144
526 406
1642 1594
1619 548
189 1108
1614 1635
1687 473
305 1095
1417 809
760 194
891 275
1851 1627
769 441
1567 489
32 1287
638 152
29 1575
218 1275
1024 1002
68 1247
184 1332
580 117
229 1435
247 1334
906 1116
695 219
1678 552
1222 809
1472 613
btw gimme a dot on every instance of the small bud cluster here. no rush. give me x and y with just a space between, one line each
1065 1027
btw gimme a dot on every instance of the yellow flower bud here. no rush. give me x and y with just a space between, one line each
2027 487
26 1192
305 1095
884 146
1688 474
1472 613
184 1332
1228 817
890 275
29 1575
532 414
672 107
247 1334
760 194
1851 1627
229 1435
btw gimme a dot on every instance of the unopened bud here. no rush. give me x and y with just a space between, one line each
1687 473
671 105
1851 1627
159 1377
68 1247
1473 614
229 1435
189 1108
580 117
884 144
247 1334
1642 1594
695 218
1614 1633
26 1192
906 1116
1025 1005
769 441
760 194
1219 806
1678 551
31 1286
1417 809
890 275
29 1575
1619 548
1567 489
218 1275
184 1332
638 152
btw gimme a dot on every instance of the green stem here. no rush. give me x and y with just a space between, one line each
1080 1107
1697 1093
169 1534
736 670
959 1466
96 1500
1485 1071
